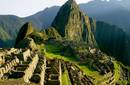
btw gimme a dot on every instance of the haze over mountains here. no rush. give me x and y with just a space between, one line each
113 12
110 38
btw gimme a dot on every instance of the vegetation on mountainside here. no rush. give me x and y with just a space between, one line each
88 69
4 35
24 32
74 25
72 38
98 65
5 39
114 43
38 37
79 54
51 33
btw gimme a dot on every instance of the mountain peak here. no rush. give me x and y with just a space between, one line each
71 4
26 29
69 10
72 1
72 24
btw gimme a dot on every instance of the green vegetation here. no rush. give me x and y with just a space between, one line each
72 24
4 35
24 32
37 37
116 71
51 33
53 48
53 51
72 38
5 38
65 78
112 40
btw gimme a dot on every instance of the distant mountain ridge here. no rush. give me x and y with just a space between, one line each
72 24
71 37
11 25
113 12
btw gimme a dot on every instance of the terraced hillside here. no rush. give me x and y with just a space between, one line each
26 67
101 69
34 67
61 55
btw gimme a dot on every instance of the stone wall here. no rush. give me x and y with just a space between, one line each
8 67
26 54
29 71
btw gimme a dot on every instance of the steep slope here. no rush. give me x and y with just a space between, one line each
44 18
112 12
9 26
74 25
12 24
51 33
11 29
4 38
24 32
111 40
55 61
97 68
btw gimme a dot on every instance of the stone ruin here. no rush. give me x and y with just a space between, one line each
32 67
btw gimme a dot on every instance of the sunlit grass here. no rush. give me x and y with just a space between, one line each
116 71
53 52
65 78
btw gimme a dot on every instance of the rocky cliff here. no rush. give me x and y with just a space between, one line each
60 55
26 29
72 24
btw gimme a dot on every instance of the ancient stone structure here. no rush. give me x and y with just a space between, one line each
32 67
8 67
29 71
26 54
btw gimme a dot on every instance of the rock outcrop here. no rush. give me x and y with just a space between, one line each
26 29
27 43
74 25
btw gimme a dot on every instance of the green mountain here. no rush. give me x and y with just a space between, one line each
111 39
9 26
4 38
101 10
95 66
74 25
24 32
106 41
67 60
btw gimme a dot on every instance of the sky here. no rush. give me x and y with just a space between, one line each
23 8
